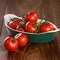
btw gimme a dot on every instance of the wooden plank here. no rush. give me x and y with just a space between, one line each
2 11
56 15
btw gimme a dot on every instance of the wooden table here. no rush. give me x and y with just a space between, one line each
47 51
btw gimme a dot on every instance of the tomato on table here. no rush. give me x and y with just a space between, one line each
22 39
10 44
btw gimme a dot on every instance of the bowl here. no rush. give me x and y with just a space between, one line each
32 37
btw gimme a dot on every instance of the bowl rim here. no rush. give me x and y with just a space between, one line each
7 15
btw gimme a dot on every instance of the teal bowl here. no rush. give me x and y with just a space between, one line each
32 37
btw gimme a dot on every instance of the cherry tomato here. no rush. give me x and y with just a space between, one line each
31 16
46 27
31 27
22 39
13 23
16 20
10 44
19 28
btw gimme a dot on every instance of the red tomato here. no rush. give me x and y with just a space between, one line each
31 27
46 27
13 23
10 44
19 28
31 16
22 39
16 20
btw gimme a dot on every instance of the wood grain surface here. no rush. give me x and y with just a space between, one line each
47 51
2 11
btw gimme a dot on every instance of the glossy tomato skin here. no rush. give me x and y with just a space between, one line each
29 27
10 45
31 16
13 23
19 28
16 20
46 27
22 39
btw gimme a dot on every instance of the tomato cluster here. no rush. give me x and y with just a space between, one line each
29 23
16 23
12 43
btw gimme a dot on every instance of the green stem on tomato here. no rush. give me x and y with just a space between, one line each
42 18
21 25
38 29
46 22
35 25
40 23
13 40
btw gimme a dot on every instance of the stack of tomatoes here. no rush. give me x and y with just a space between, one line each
28 24
12 43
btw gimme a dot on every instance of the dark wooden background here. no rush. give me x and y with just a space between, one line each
49 8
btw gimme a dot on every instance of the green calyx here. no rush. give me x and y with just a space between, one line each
46 22
13 40
38 29
22 22
43 18
39 23
35 25
21 25
12 18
